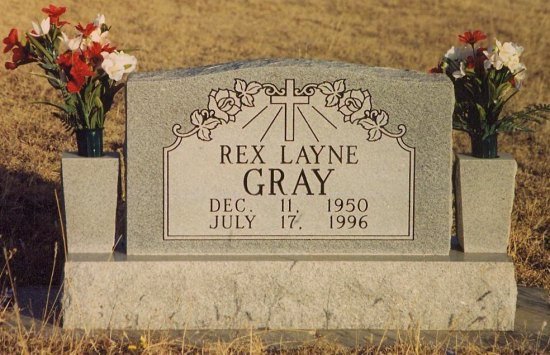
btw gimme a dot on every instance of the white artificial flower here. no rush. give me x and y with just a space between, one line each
509 52
99 37
520 74
99 20
42 29
503 54
117 64
516 68
459 53
129 62
461 72
493 59
70 43
96 36
112 66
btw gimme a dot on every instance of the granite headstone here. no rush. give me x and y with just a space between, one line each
289 157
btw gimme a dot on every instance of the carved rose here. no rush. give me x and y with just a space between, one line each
354 104
225 104
373 123
204 122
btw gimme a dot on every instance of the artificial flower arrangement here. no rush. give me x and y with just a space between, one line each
86 69
485 79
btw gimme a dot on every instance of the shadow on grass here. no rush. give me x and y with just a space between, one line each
30 226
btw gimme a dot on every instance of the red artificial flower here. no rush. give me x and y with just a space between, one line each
81 68
472 38
54 13
66 59
73 86
79 71
10 65
477 62
86 31
107 48
76 68
21 55
11 40
93 52
480 57
470 62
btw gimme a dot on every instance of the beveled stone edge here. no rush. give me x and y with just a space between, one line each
179 73
74 155
454 256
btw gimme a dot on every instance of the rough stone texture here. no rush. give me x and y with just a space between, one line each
484 200
532 312
377 292
90 190
157 101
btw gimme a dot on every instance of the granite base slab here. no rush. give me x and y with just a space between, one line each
457 292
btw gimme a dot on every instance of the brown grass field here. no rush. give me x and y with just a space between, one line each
186 33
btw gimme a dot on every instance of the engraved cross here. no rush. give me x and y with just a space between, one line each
289 100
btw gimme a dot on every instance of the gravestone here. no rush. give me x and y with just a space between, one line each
289 194
293 142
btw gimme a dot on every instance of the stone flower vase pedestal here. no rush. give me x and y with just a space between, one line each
484 199
90 191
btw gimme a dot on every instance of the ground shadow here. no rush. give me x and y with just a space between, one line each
30 229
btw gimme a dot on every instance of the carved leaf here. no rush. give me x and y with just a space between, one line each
204 134
248 100
211 123
339 86
367 123
205 122
253 88
333 91
246 91
373 123
332 100
374 135
240 85
196 118
326 88
380 117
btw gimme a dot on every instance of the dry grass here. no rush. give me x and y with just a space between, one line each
178 33
37 343
171 34
72 344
